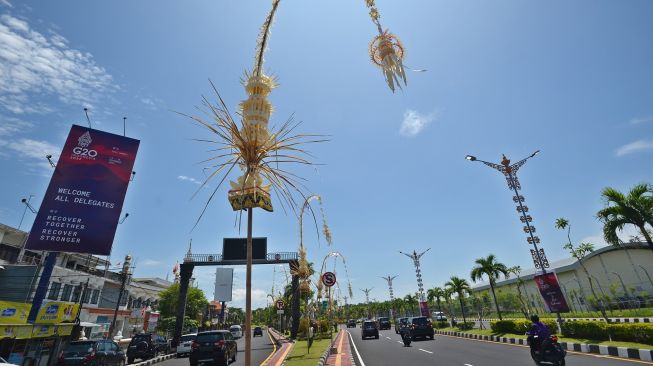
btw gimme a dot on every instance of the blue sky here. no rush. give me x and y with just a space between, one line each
573 79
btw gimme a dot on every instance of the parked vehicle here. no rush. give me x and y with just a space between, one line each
236 331
4 362
384 323
185 342
215 346
146 346
258 331
401 324
439 316
370 329
420 327
92 353
351 323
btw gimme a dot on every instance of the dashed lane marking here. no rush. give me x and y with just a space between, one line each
423 350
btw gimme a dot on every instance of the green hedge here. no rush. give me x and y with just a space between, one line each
440 325
598 330
465 326
520 326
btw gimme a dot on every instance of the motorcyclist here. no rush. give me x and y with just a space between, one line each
541 331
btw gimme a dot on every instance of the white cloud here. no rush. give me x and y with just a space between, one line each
11 125
259 297
150 262
414 122
634 147
640 120
34 151
628 232
189 179
6 3
33 64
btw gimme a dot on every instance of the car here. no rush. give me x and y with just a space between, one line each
92 353
369 329
236 331
351 323
420 327
4 362
185 342
215 347
400 324
145 346
384 323
439 316
258 331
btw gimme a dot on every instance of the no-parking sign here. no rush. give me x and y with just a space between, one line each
329 279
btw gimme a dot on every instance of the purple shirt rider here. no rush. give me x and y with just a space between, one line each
541 330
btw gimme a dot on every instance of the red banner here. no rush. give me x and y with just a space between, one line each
82 205
424 309
551 293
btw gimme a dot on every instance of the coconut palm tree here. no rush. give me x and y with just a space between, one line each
411 302
435 293
635 208
461 287
489 267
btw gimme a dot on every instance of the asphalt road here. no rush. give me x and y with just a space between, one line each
261 349
451 351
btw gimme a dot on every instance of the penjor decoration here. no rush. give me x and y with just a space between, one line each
387 52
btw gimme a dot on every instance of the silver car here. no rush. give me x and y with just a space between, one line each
185 344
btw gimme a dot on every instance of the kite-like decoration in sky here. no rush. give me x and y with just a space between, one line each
387 52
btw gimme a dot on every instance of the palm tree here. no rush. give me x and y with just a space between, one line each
435 293
489 267
448 292
461 287
579 252
635 208
411 301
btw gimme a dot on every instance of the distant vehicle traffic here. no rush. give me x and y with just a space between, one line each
236 331
370 329
384 323
214 347
351 323
439 316
146 346
420 327
92 353
185 343
258 331
401 324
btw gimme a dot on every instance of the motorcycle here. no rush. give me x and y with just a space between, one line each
546 353
405 336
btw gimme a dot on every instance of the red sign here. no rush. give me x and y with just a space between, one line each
82 205
329 279
279 304
551 293
424 309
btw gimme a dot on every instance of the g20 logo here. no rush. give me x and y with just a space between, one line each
82 151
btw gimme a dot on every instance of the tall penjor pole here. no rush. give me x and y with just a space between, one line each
418 272
389 279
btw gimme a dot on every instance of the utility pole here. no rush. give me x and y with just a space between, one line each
77 328
123 282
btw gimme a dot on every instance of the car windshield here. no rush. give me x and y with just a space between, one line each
78 347
384 319
419 321
235 328
370 324
187 338
210 337
141 337
257 328
403 320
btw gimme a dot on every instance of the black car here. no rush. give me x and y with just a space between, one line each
401 324
92 353
258 331
351 323
420 327
370 329
146 346
384 323
215 346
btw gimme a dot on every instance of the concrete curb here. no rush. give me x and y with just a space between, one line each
324 356
152 361
612 320
623 352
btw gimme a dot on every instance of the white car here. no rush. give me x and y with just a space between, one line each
439 316
236 331
185 344
3 362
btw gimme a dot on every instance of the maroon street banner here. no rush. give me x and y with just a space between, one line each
551 292
81 208
424 309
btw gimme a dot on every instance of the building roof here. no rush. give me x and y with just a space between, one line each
558 266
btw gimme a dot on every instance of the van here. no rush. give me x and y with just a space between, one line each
236 331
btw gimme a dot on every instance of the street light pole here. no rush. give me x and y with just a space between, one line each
418 273
123 283
389 281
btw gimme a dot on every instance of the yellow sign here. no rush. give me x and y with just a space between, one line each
64 330
14 312
16 331
42 331
57 312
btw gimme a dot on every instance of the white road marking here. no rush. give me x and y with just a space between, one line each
360 359
423 350
467 364
389 338
400 342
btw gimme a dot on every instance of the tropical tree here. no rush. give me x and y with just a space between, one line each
489 267
195 302
634 208
579 252
398 306
436 293
461 287
411 302
525 308
448 292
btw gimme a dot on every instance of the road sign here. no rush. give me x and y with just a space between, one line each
279 305
329 279
280 312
